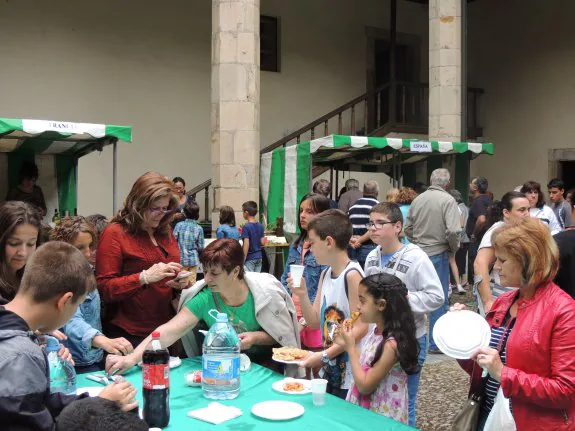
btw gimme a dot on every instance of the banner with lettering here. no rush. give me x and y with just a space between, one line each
286 173
55 147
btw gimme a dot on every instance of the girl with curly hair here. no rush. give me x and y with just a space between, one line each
85 340
389 351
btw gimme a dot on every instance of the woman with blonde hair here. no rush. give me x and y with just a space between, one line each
138 257
391 196
531 357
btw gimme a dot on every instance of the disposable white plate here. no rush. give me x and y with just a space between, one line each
283 361
93 391
296 362
278 410
278 386
459 334
174 362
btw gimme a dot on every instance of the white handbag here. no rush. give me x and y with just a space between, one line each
500 417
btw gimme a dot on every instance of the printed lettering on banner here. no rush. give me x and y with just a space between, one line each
420 147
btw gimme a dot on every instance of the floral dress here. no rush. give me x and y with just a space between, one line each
390 397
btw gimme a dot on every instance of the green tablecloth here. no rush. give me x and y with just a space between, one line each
256 386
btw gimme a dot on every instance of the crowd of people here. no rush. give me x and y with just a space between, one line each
103 286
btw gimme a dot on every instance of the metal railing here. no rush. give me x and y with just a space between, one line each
393 107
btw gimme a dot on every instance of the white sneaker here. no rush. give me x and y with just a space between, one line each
460 289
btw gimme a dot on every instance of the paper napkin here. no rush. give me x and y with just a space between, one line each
215 413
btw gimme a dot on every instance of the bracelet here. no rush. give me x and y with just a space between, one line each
143 277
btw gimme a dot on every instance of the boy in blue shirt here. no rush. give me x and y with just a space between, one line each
190 237
252 236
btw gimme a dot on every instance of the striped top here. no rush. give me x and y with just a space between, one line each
359 214
492 385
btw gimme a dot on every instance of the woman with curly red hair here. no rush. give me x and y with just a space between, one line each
138 257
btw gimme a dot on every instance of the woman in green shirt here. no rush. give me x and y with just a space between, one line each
257 306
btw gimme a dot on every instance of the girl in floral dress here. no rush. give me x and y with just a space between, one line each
389 351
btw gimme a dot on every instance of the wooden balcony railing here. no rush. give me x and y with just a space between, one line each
393 107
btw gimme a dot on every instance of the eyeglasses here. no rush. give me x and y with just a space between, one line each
160 210
378 224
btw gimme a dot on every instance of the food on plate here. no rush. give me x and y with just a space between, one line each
293 387
290 354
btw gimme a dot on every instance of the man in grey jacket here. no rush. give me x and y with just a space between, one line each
433 223
351 196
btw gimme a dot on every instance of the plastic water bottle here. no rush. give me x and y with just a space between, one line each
221 360
62 373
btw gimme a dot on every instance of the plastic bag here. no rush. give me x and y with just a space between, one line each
500 417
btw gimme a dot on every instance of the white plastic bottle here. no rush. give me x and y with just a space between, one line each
221 360
62 373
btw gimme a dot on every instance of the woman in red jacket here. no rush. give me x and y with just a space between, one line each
532 350
137 258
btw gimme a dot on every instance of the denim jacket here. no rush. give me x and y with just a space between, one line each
311 273
82 328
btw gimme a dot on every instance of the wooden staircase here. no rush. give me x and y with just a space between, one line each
396 107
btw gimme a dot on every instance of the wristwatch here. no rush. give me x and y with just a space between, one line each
324 357
302 322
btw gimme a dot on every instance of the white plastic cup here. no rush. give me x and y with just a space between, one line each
296 272
318 388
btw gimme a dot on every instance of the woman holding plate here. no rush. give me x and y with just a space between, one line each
531 357
258 307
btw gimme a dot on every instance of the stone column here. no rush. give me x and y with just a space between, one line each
235 89
447 83
445 70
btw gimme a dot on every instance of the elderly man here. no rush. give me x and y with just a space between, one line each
361 243
323 187
434 224
351 195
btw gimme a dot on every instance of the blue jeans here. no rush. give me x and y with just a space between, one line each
413 380
253 265
441 264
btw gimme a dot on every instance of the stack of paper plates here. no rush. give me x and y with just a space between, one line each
460 334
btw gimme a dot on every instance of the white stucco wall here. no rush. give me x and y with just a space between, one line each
522 52
147 64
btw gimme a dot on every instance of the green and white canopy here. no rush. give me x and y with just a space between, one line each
285 173
55 147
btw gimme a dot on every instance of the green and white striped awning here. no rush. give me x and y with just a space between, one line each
398 144
55 147
58 137
285 173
